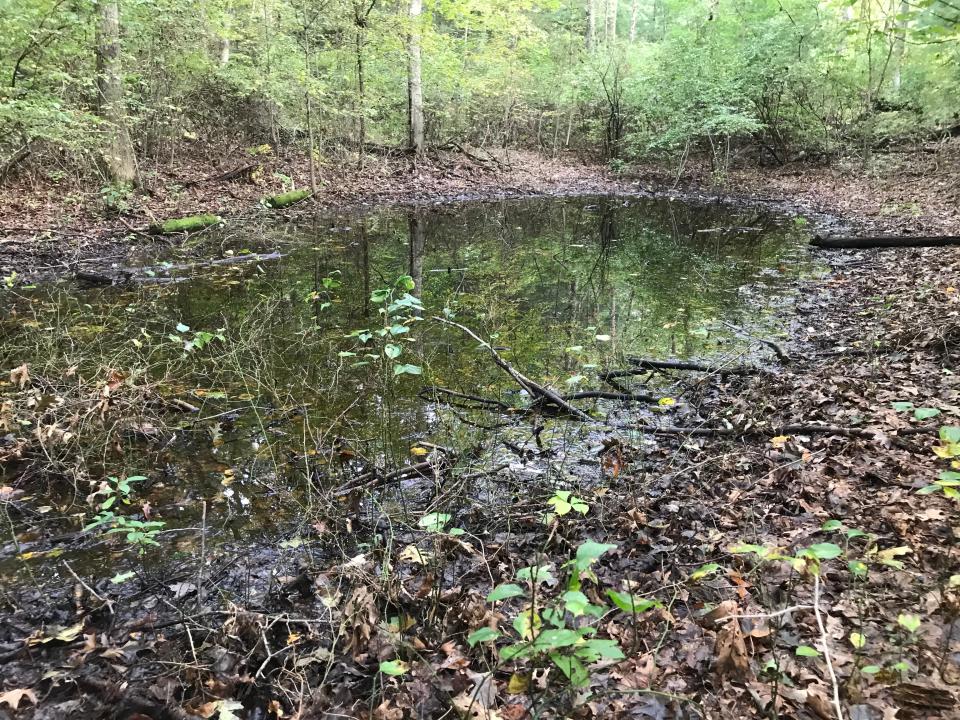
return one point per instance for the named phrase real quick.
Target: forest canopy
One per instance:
(628, 79)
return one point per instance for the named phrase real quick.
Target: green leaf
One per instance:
(502, 592)
(535, 574)
(831, 525)
(857, 640)
(599, 648)
(407, 370)
(380, 296)
(484, 634)
(858, 568)
(631, 603)
(807, 651)
(925, 413)
(392, 351)
(910, 623)
(575, 602)
(825, 551)
(589, 552)
(553, 638)
(394, 667)
(950, 434)
(902, 406)
(405, 282)
(870, 669)
(434, 522)
(122, 577)
(704, 570)
(181, 328)
(572, 669)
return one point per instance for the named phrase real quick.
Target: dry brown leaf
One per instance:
(20, 376)
(732, 659)
(13, 697)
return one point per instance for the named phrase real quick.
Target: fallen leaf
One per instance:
(13, 697)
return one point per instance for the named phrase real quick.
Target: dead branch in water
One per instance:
(535, 390)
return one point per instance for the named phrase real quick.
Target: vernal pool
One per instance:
(242, 391)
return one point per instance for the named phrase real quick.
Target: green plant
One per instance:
(139, 533)
(948, 482)
(560, 628)
(399, 310)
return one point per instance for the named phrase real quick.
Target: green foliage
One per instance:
(695, 75)
(399, 311)
(138, 533)
(560, 628)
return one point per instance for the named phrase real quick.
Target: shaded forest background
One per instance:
(94, 88)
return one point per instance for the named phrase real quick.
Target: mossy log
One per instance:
(287, 199)
(187, 224)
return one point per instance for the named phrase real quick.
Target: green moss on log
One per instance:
(187, 224)
(287, 199)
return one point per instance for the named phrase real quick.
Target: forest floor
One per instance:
(794, 528)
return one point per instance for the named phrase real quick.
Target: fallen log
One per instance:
(884, 241)
(284, 200)
(648, 364)
(186, 224)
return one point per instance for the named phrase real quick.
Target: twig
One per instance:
(826, 646)
(89, 589)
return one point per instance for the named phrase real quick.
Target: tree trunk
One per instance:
(610, 33)
(592, 11)
(361, 98)
(415, 85)
(634, 13)
(119, 159)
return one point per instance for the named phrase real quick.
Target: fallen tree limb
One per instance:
(649, 364)
(864, 243)
(534, 389)
(429, 390)
(605, 395)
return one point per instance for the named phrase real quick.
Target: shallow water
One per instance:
(289, 399)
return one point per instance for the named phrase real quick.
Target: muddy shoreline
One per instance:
(41, 232)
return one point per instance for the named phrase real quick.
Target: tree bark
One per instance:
(592, 11)
(611, 27)
(415, 84)
(119, 159)
(634, 13)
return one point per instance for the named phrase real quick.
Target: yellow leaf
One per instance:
(666, 402)
(418, 451)
(292, 638)
(411, 553)
(779, 441)
(69, 634)
(519, 682)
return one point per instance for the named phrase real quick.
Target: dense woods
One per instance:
(765, 80)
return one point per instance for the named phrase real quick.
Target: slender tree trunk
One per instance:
(119, 159)
(610, 33)
(361, 98)
(308, 65)
(415, 84)
(900, 45)
(634, 13)
(592, 10)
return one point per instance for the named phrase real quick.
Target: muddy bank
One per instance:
(48, 226)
